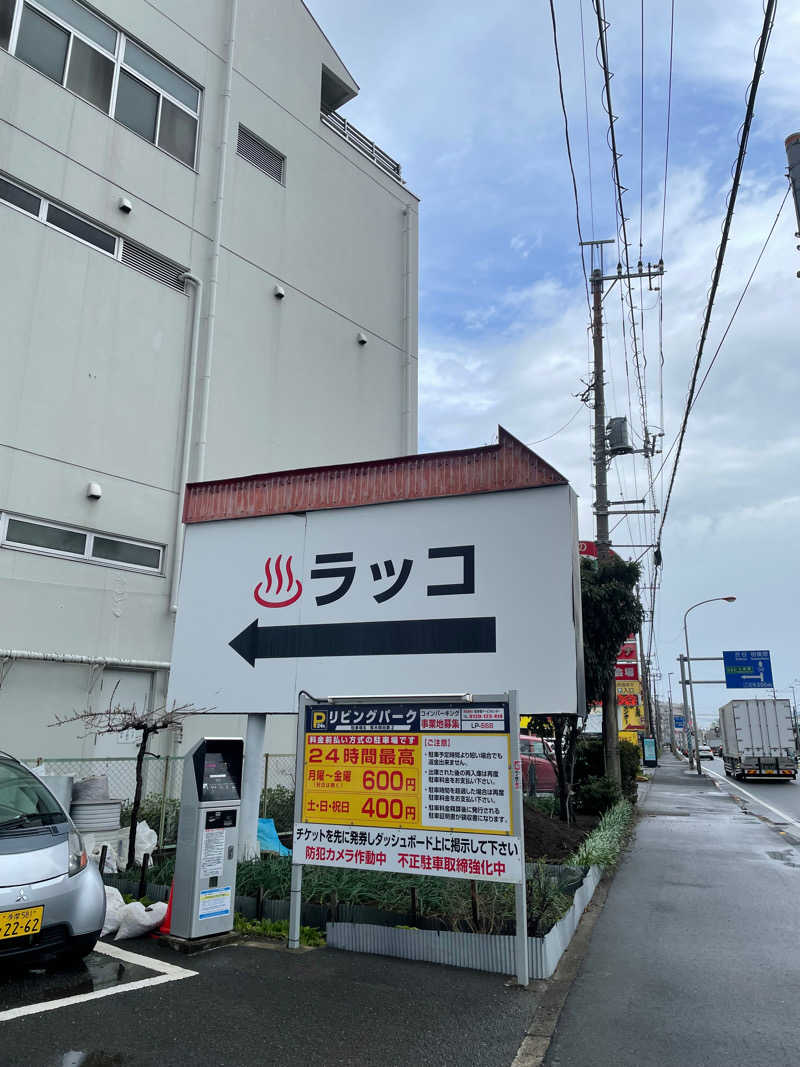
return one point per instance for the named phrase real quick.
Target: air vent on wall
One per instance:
(261, 155)
(155, 266)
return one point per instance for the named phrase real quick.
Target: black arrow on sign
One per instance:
(410, 637)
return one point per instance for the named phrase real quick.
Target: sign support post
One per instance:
(296, 889)
(520, 889)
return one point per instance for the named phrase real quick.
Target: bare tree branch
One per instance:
(116, 719)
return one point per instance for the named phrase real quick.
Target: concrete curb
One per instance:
(536, 1042)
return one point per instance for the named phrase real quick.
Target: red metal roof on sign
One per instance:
(490, 469)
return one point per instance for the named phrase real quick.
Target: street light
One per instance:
(712, 600)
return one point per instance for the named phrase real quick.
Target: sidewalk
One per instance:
(694, 958)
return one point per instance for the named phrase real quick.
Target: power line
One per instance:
(555, 433)
(669, 119)
(769, 17)
(602, 24)
(586, 108)
(569, 151)
(743, 294)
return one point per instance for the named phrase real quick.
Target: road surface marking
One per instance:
(165, 972)
(784, 817)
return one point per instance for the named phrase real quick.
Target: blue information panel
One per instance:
(747, 670)
(680, 722)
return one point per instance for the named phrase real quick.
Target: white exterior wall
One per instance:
(95, 355)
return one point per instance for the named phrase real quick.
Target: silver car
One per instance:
(52, 900)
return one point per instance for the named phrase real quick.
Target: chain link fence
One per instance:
(161, 788)
(162, 778)
(277, 793)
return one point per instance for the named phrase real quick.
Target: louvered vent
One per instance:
(155, 266)
(261, 155)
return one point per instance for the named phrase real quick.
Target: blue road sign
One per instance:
(747, 670)
(680, 722)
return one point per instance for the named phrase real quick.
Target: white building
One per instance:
(140, 140)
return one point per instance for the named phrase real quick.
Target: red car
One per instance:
(537, 770)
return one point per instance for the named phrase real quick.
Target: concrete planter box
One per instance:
(480, 952)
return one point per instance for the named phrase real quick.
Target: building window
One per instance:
(70, 44)
(268, 159)
(84, 231)
(51, 539)
(6, 21)
(21, 198)
(126, 251)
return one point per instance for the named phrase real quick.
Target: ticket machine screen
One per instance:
(221, 776)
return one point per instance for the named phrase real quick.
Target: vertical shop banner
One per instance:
(409, 787)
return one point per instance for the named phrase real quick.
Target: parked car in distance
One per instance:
(704, 752)
(52, 899)
(538, 772)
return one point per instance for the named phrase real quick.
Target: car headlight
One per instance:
(77, 852)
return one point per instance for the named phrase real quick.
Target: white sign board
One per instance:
(451, 595)
(485, 857)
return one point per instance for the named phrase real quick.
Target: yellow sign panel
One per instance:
(632, 718)
(629, 735)
(363, 779)
(628, 688)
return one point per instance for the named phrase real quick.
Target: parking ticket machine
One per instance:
(205, 861)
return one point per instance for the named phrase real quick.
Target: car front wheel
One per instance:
(79, 947)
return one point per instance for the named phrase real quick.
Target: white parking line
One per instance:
(164, 972)
(776, 811)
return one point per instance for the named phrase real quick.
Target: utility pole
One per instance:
(671, 713)
(792, 144)
(602, 456)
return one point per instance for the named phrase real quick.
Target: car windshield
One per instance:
(24, 801)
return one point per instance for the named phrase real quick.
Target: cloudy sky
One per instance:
(465, 97)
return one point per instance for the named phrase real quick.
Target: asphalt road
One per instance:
(251, 1005)
(783, 796)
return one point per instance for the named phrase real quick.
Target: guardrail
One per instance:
(367, 148)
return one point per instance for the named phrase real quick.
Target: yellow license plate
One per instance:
(20, 923)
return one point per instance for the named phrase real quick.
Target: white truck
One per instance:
(758, 739)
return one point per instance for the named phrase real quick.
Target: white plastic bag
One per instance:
(114, 905)
(146, 841)
(112, 863)
(135, 919)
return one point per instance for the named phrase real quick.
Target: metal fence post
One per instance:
(164, 785)
(264, 793)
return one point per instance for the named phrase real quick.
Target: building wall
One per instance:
(96, 355)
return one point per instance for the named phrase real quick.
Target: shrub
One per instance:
(596, 795)
(545, 803)
(589, 759)
(603, 846)
(277, 804)
(546, 902)
(590, 763)
(279, 930)
(630, 767)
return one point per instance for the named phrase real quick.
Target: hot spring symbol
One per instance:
(285, 583)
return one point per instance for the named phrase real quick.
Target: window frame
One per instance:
(118, 59)
(86, 556)
(120, 240)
